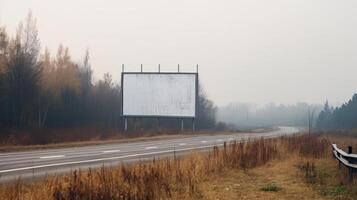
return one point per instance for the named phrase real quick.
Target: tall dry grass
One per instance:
(175, 178)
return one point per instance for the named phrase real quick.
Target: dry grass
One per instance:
(278, 162)
(276, 180)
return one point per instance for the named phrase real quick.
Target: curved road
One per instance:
(34, 164)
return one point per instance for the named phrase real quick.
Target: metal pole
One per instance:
(125, 124)
(193, 124)
(197, 122)
(141, 67)
(350, 170)
(178, 68)
(181, 125)
(158, 123)
(159, 68)
(350, 174)
(122, 67)
(197, 68)
(134, 124)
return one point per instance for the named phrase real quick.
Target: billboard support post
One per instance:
(134, 124)
(181, 125)
(196, 122)
(158, 123)
(193, 124)
(125, 124)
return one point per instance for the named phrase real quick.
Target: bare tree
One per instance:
(23, 73)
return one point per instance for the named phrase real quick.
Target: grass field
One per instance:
(297, 167)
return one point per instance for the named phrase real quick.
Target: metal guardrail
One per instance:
(349, 160)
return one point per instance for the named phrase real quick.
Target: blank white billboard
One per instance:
(159, 94)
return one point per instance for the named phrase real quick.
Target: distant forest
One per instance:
(343, 117)
(247, 115)
(39, 90)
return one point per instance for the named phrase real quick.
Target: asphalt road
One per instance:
(38, 163)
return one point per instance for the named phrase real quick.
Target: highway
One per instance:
(38, 163)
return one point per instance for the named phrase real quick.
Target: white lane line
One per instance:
(182, 144)
(204, 141)
(154, 147)
(83, 149)
(49, 157)
(111, 151)
(106, 159)
(219, 140)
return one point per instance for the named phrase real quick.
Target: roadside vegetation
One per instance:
(297, 167)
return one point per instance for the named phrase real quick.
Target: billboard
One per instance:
(159, 94)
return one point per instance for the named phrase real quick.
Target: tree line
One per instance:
(40, 90)
(343, 117)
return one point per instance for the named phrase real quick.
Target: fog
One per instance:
(248, 115)
(248, 51)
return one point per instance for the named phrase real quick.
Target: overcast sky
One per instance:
(259, 51)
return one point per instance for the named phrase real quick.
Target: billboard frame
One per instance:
(159, 116)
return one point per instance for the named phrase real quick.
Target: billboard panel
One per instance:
(159, 94)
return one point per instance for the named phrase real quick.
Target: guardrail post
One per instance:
(350, 169)
(350, 174)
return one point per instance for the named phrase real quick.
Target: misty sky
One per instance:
(259, 51)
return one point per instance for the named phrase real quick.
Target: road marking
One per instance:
(219, 140)
(182, 144)
(204, 141)
(49, 157)
(111, 151)
(154, 147)
(106, 159)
